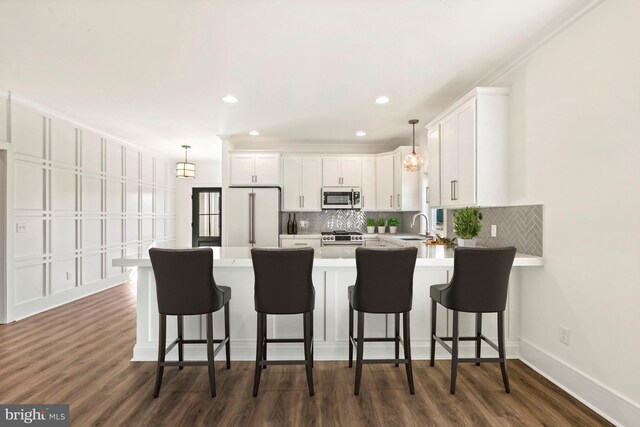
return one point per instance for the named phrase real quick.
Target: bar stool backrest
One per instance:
(184, 281)
(384, 283)
(480, 279)
(283, 283)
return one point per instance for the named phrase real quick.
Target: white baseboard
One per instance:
(30, 308)
(608, 403)
(246, 351)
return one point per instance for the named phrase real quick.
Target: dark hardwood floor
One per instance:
(79, 354)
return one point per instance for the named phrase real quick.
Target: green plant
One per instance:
(466, 222)
(393, 222)
(371, 222)
(381, 222)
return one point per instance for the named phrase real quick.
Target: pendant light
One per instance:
(185, 169)
(413, 162)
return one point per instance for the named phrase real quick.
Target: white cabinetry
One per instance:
(368, 187)
(301, 183)
(433, 166)
(4, 116)
(257, 169)
(397, 189)
(473, 143)
(294, 242)
(341, 171)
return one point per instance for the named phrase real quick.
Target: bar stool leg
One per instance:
(407, 350)
(226, 335)
(350, 336)
(259, 349)
(210, 361)
(454, 353)
(478, 336)
(264, 338)
(501, 352)
(307, 350)
(397, 337)
(162, 346)
(312, 346)
(359, 352)
(180, 340)
(434, 310)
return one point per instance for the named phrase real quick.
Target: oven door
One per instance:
(340, 198)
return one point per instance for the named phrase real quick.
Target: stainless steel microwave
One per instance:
(341, 198)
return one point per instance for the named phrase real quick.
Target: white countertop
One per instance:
(428, 256)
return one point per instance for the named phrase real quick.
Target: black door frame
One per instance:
(196, 239)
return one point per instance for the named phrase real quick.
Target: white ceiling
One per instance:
(154, 72)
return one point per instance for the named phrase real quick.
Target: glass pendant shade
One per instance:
(185, 169)
(413, 162)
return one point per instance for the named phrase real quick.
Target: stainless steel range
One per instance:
(342, 238)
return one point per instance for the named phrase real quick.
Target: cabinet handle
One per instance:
(398, 199)
(426, 194)
(303, 201)
(299, 201)
(391, 201)
(363, 204)
(300, 244)
(256, 176)
(453, 197)
(455, 188)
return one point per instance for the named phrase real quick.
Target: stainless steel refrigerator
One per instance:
(253, 217)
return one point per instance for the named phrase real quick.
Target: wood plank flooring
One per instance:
(79, 354)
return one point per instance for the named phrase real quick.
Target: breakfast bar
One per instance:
(334, 270)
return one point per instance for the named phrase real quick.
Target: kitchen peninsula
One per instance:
(334, 271)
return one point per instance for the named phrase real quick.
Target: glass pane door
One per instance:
(207, 216)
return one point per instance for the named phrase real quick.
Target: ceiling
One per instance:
(154, 72)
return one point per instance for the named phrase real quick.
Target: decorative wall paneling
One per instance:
(79, 200)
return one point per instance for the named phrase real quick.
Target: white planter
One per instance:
(467, 243)
(371, 230)
(381, 229)
(393, 229)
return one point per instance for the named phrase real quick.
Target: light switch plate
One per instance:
(21, 227)
(494, 230)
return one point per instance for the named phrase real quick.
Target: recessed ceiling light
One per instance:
(230, 99)
(254, 133)
(382, 100)
(361, 133)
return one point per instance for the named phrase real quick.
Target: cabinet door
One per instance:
(350, 171)
(465, 185)
(368, 187)
(311, 183)
(266, 169)
(242, 169)
(331, 172)
(291, 185)
(449, 159)
(397, 181)
(384, 183)
(300, 243)
(433, 167)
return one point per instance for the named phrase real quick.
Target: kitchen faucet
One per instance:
(413, 222)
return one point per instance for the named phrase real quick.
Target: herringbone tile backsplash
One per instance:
(350, 220)
(519, 226)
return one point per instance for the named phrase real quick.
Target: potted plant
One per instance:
(381, 225)
(466, 224)
(371, 225)
(393, 225)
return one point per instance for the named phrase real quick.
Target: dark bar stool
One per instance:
(384, 284)
(283, 285)
(185, 286)
(479, 285)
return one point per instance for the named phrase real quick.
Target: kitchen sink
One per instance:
(411, 238)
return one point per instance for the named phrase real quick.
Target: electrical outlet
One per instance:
(21, 227)
(68, 275)
(564, 335)
(494, 230)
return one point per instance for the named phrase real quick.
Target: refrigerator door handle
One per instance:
(252, 216)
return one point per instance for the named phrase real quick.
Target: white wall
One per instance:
(76, 199)
(575, 135)
(208, 174)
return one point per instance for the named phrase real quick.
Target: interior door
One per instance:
(206, 216)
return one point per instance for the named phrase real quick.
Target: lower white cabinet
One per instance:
(294, 242)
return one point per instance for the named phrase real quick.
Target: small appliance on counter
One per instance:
(342, 238)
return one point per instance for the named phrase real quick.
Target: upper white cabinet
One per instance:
(257, 169)
(384, 183)
(473, 150)
(341, 171)
(368, 187)
(4, 116)
(433, 166)
(301, 183)
(397, 189)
